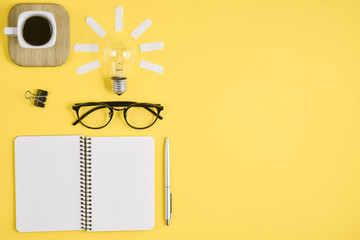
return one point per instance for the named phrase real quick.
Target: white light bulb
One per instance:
(119, 55)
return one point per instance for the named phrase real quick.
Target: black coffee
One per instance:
(37, 31)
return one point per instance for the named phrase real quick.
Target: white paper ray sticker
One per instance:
(119, 16)
(96, 27)
(151, 66)
(88, 67)
(151, 46)
(86, 47)
(141, 28)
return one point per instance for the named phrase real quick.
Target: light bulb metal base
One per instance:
(119, 85)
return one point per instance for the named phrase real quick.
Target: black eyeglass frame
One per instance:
(112, 107)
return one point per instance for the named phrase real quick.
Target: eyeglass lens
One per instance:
(141, 116)
(95, 116)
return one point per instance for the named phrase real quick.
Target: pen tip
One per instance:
(167, 222)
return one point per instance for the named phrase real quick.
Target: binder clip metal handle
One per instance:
(39, 98)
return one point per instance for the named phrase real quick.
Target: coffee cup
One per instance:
(35, 29)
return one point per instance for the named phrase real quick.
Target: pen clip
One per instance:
(170, 205)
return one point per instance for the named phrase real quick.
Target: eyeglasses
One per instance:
(96, 115)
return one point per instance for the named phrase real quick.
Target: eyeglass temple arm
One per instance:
(87, 113)
(150, 110)
(119, 104)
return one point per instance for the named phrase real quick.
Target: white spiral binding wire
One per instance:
(85, 183)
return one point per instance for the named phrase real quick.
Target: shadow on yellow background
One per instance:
(262, 106)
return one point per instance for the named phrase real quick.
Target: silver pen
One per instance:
(168, 194)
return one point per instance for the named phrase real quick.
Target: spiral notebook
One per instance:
(84, 183)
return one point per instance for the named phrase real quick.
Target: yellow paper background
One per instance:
(262, 107)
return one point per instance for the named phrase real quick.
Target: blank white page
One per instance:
(47, 178)
(122, 183)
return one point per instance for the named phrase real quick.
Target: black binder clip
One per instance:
(39, 98)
